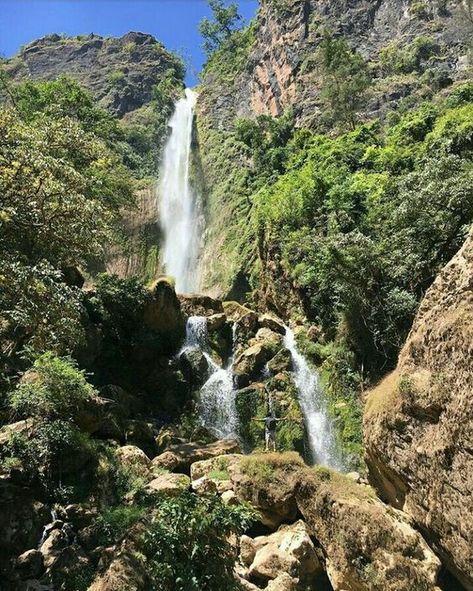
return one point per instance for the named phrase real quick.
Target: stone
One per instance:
(195, 367)
(79, 516)
(7, 431)
(288, 550)
(273, 323)
(249, 363)
(247, 550)
(281, 362)
(283, 582)
(418, 422)
(235, 311)
(229, 498)
(216, 322)
(141, 434)
(204, 485)
(367, 544)
(134, 459)
(200, 305)
(29, 564)
(166, 485)
(53, 546)
(179, 458)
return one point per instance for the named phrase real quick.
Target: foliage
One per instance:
(219, 29)
(53, 389)
(188, 543)
(396, 58)
(345, 80)
(114, 523)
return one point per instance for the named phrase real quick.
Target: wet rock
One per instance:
(273, 323)
(281, 362)
(79, 516)
(52, 547)
(200, 305)
(249, 364)
(195, 367)
(29, 564)
(216, 322)
(163, 313)
(142, 435)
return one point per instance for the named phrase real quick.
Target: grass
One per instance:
(265, 467)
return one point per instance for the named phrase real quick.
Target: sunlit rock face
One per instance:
(419, 420)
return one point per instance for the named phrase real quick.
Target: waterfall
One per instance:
(322, 443)
(179, 211)
(216, 402)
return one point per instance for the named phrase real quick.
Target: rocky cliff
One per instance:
(120, 72)
(419, 420)
(413, 50)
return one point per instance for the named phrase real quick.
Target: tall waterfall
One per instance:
(179, 211)
(323, 445)
(216, 401)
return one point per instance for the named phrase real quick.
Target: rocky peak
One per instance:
(120, 72)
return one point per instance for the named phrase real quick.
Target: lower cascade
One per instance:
(216, 401)
(322, 442)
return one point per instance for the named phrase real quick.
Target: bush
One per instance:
(188, 543)
(113, 524)
(53, 389)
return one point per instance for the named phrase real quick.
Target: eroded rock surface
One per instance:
(419, 420)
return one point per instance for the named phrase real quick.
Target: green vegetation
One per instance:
(345, 80)
(219, 30)
(114, 523)
(188, 543)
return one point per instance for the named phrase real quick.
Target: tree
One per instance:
(218, 30)
(345, 79)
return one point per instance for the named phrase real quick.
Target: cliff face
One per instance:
(419, 420)
(281, 68)
(120, 72)
(413, 50)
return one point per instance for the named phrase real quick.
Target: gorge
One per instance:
(279, 256)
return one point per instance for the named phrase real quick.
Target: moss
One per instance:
(219, 475)
(267, 467)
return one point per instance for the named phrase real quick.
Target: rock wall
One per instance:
(120, 72)
(419, 420)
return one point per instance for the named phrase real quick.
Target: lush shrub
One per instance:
(113, 523)
(188, 543)
(53, 389)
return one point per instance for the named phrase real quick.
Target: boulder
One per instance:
(163, 313)
(284, 582)
(17, 428)
(281, 362)
(235, 311)
(229, 498)
(195, 367)
(273, 323)
(29, 564)
(418, 421)
(249, 363)
(166, 485)
(368, 545)
(79, 516)
(216, 322)
(200, 305)
(204, 485)
(179, 458)
(52, 547)
(134, 459)
(141, 434)
(289, 550)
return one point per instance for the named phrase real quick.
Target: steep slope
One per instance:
(419, 420)
(413, 50)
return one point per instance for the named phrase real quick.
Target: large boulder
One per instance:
(29, 564)
(200, 305)
(369, 546)
(249, 364)
(195, 366)
(179, 458)
(419, 421)
(163, 312)
(272, 322)
(165, 485)
(134, 460)
(289, 550)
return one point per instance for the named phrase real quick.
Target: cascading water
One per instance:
(320, 433)
(216, 404)
(179, 211)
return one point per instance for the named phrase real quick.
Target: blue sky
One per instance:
(174, 22)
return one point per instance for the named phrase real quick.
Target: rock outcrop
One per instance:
(419, 420)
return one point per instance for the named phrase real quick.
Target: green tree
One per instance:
(219, 29)
(345, 80)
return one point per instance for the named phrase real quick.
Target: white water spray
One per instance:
(323, 445)
(179, 211)
(216, 403)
